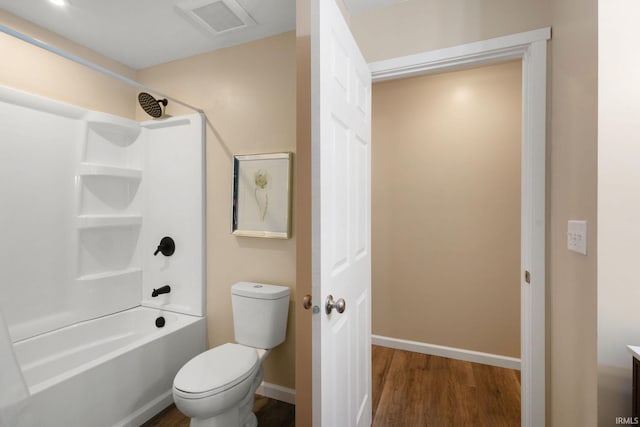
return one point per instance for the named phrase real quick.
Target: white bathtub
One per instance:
(116, 370)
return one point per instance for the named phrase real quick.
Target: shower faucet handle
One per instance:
(167, 246)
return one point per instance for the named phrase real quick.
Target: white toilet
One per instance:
(216, 388)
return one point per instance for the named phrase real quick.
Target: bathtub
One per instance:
(116, 370)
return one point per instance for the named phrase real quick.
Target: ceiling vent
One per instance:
(216, 16)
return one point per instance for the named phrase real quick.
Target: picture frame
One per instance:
(261, 196)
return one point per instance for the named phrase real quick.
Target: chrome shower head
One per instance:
(151, 105)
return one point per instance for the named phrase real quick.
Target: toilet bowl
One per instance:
(216, 388)
(222, 380)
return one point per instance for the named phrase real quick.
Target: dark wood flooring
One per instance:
(269, 412)
(412, 389)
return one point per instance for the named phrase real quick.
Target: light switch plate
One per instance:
(577, 236)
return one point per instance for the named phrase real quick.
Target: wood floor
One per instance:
(269, 412)
(413, 390)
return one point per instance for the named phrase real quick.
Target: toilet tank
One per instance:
(260, 314)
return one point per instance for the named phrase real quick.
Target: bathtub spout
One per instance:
(162, 290)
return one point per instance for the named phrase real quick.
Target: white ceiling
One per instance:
(143, 33)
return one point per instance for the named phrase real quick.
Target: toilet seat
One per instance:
(215, 371)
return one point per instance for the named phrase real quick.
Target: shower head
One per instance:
(151, 105)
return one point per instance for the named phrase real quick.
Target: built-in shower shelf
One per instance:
(116, 129)
(120, 274)
(103, 221)
(92, 169)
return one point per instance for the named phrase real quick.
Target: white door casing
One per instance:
(341, 221)
(531, 48)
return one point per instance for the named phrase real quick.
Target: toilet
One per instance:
(216, 388)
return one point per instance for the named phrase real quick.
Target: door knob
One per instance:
(306, 302)
(339, 305)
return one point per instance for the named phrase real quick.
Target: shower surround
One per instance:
(86, 199)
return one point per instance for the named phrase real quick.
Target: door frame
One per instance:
(531, 48)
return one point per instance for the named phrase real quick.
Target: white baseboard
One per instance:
(277, 392)
(450, 352)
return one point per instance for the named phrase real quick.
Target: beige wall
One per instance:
(571, 194)
(248, 95)
(304, 358)
(446, 209)
(421, 25)
(32, 69)
(303, 349)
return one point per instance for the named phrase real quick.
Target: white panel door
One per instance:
(341, 221)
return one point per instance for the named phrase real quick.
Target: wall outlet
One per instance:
(577, 236)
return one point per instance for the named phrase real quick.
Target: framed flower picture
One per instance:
(262, 195)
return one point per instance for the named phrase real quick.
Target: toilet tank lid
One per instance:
(259, 290)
